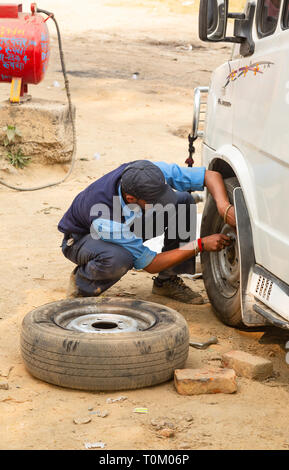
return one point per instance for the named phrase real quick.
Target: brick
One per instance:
(205, 380)
(248, 365)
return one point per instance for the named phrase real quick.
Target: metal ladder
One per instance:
(199, 111)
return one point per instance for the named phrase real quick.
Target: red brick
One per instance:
(248, 365)
(205, 380)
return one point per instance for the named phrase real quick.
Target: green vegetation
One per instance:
(14, 152)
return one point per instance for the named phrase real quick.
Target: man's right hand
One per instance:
(216, 242)
(168, 259)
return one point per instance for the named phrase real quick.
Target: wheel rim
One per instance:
(104, 323)
(226, 266)
(106, 319)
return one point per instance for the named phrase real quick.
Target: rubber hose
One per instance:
(67, 88)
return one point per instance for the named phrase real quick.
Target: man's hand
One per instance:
(215, 185)
(216, 242)
(230, 217)
(167, 259)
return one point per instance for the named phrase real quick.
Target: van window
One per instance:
(267, 17)
(285, 20)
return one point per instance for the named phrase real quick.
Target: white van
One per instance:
(246, 139)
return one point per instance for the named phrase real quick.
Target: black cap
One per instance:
(144, 180)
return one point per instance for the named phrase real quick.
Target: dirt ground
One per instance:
(120, 118)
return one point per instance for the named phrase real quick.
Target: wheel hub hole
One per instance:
(231, 254)
(104, 325)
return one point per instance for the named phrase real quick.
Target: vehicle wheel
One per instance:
(221, 270)
(104, 344)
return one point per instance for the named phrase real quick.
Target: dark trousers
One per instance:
(100, 264)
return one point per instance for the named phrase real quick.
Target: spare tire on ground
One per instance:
(104, 344)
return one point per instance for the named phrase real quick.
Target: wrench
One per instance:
(204, 345)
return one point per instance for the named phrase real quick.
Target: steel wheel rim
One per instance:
(226, 267)
(105, 319)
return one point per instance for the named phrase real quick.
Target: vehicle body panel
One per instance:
(247, 126)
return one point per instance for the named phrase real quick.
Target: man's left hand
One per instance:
(231, 217)
(215, 184)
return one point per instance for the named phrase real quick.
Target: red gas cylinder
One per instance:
(24, 45)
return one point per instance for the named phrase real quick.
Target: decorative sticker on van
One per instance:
(256, 68)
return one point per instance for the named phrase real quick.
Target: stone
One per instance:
(205, 380)
(184, 446)
(189, 418)
(248, 365)
(4, 385)
(162, 424)
(154, 423)
(166, 432)
(5, 371)
(102, 414)
(6, 166)
(82, 420)
(169, 425)
(45, 127)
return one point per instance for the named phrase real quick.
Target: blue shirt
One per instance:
(180, 179)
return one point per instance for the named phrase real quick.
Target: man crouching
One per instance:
(107, 224)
